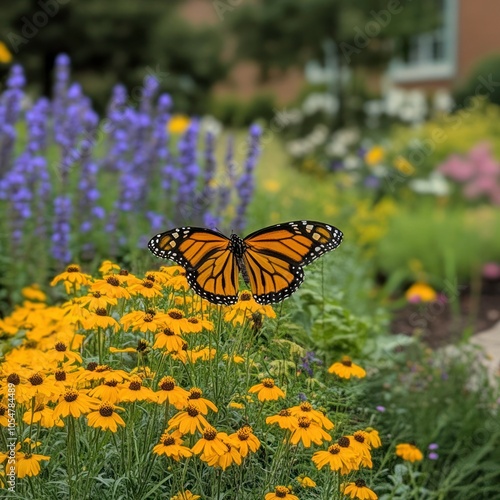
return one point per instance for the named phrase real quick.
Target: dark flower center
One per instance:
(359, 438)
(304, 422)
(70, 396)
(306, 407)
(13, 378)
(72, 269)
(113, 281)
(150, 277)
(168, 332)
(175, 314)
(148, 318)
(135, 385)
(209, 434)
(347, 362)
(106, 410)
(91, 366)
(60, 375)
(167, 384)
(245, 296)
(168, 441)
(360, 483)
(192, 411)
(36, 379)
(285, 413)
(281, 491)
(142, 345)
(61, 347)
(147, 284)
(111, 383)
(268, 383)
(344, 442)
(97, 295)
(102, 368)
(3, 410)
(195, 393)
(151, 312)
(123, 272)
(100, 311)
(194, 321)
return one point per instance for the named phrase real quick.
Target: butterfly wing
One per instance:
(274, 256)
(211, 268)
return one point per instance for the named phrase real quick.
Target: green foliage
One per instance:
(445, 398)
(439, 238)
(487, 70)
(236, 113)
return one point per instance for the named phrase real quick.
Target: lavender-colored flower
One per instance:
(302, 397)
(433, 446)
(308, 361)
(245, 184)
(61, 230)
(433, 456)
(380, 408)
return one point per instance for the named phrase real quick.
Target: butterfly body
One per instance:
(270, 260)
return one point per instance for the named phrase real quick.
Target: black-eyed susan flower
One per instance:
(358, 489)
(106, 417)
(245, 440)
(185, 495)
(305, 409)
(408, 451)
(107, 391)
(230, 456)
(373, 437)
(4, 411)
(73, 278)
(61, 353)
(125, 277)
(75, 403)
(177, 281)
(146, 288)
(306, 481)
(308, 432)
(133, 390)
(169, 392)
(281, 492)
(111, 286)
(94, 371)
(347, 369)
(175, 320)
(108, 267)
(360, 444)
(284, 419)
(210, 444)
(171, 445)
(39, 412)
(169, 340)
(245, 308)
(101, 319)
(37, 384)
(188, 421)
(203, 404)
(28, 464)
(33, 292)
(97, 300)
(338, 456)
(267, 391)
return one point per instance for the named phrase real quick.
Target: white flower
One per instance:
(435, 184)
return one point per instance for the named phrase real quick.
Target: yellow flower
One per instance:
(267, 391)
(107, 266)
(347, 369)
(203, 404)
(231, 455)
(100, 319)
(133, 390)
(178, 124)
(188, 421)
(28, 464)
(74, 403)
(420, 292)
(107, 391)
(284, 419)
(210, 444)
(106, 417)
(245, 440)
(234, 358)
(305, 409)
(281, 492)
(359, 490)
(272, 186)
(245, 308)
(4, 411)
(408, 451)
(306, 482)
(185, 495)
(308, 432)
(404, 166)
(175, 320)
(33, 292)
(97, 300)
(72, 278)
(5, 54)
(169, 392)
(41, 413)
(360, 444)
(338, 456)
(168, 340)
(373, 437)
(146, 288)
(112, 287)
(374, 156)
(171, 445)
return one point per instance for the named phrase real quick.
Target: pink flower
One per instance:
(457, 168)
(491, 271)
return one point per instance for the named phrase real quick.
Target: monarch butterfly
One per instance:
(270, 260)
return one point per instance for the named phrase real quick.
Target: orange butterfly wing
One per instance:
(211, 267)
(275, 255)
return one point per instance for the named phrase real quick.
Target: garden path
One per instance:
(489, 340)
